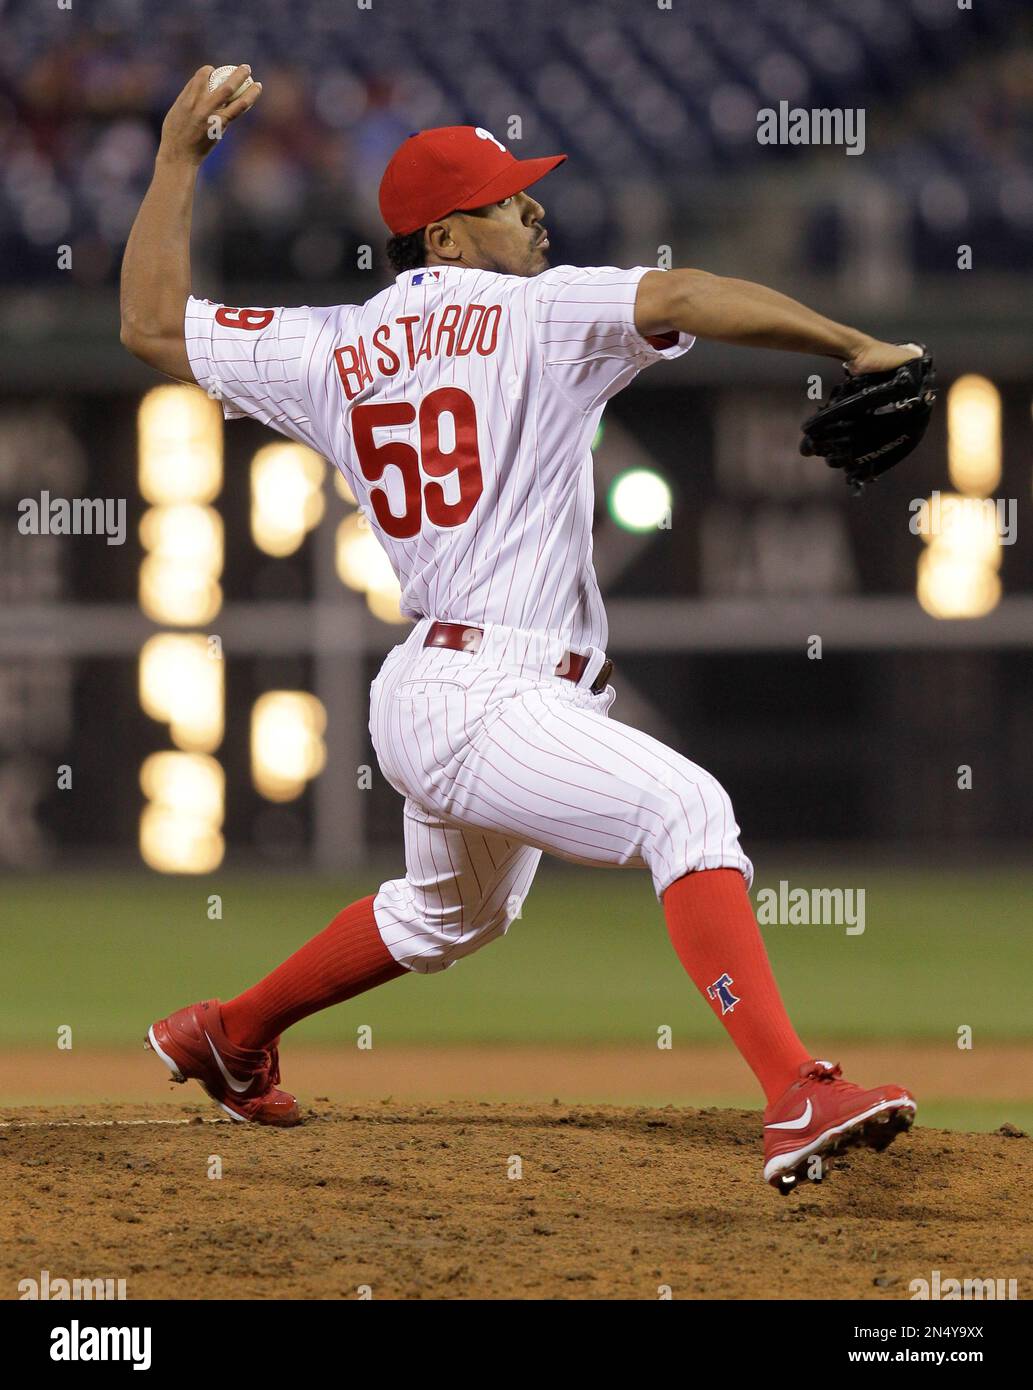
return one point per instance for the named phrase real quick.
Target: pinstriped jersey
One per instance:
(460, 406)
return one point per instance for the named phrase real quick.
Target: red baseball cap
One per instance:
(452, 168)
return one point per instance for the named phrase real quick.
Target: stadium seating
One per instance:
(631, 91)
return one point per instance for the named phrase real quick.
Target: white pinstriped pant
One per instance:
(499, 759)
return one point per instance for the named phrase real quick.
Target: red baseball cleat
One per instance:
(822, 1114)
(194, 1047)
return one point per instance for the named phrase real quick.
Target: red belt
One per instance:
(458, 637)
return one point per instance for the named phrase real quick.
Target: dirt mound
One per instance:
(494, 1201)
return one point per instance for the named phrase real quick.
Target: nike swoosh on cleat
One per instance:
(239, 1086)
(801, 1123)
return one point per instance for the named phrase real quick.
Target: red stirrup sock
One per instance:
(347, 958)
(715, 934)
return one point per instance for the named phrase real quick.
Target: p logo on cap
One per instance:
(483, 134)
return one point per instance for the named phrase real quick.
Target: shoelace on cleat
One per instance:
(831, 1072)
(831, 1075)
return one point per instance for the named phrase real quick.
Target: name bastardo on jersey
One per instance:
(456, 331)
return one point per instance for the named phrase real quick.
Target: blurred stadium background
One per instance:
(185, 715)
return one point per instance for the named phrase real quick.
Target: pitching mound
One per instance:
(494, 1201)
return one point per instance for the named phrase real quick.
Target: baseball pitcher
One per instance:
(459, 403)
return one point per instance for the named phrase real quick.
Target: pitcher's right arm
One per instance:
(156, 265)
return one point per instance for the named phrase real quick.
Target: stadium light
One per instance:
(182, 685)
(179, 574)
(179, 442)
(957, 571)
(342, 489)
(639, 499)
(952, 586)
(287, 748)
(385, 602)
(974, 435)
(286, 496)
(181, 825)
(179, 471)
(362, 564)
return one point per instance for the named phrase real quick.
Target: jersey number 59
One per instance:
(422, 494)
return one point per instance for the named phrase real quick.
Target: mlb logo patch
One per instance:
(422, 275)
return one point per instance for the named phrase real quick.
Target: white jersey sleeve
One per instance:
(258, 362)
(585, 322)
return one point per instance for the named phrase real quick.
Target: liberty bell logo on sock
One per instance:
(721, 989)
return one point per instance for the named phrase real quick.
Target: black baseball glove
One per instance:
(872, 421)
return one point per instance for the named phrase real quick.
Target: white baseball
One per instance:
(220, 75)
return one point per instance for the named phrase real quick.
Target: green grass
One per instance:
(589, 962)
(975, 1115)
